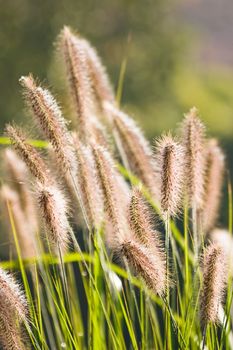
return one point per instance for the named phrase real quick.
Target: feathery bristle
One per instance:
(75, 58)
(169, 157)
(22, 224)
(145, 264)
(100, 81)
(214, 182)
(140, 219)
(12, 298)
(108, 179)
(49, 117)
(14, 308)
(28, 154)
(214, 282)
(136, 148)
(11, 337)
(19, 176)
(54, 211)
(193, 135)
(87, 181)
(223, 238)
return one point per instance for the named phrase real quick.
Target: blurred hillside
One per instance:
(144, 33)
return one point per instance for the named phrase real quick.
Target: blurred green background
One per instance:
(179, 54)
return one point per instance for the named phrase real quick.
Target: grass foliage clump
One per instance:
(116, 243)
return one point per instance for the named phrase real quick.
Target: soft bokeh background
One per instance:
(179, 54)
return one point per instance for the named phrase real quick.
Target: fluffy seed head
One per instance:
(14, 309)
(12, 298)
(87, 181)
(140, 219)
(49, 117)
(28, 154)
(22, 223)
(145, 264)
(19, 177)
(136, 149)
(214, 283)
(193, 135)
(213, 185)
(54, 211)
(100, 81)
(75, 58)
(108, 180)
(223, 238)
(169, 158)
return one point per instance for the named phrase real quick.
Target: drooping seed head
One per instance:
(223, 238)
(49, 117)
(76, 62)
(25, 232)
(112, 191)
(145, 264)
(170, 162)
(14, 310)
(214, 283)
(28, 154)
(88, 185)
(193, 136)
(12, 299)
(99, 78)
(19, 176)
(140, 219)
(213, 186)
(54, 211)
(136, 149)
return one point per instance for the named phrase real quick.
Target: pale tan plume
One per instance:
(88, 185)
(54, 210)
(28, 154)
(25, 234)
(193, 138)
(99, 77)
(136, 148)
(215, 160)
(141, 220)
(77, 70)
(214, 283)
(145, 264)
(169, 158)
(223, 238)
(49, 117)
(20, 179)
(114, 197)
(14, 312)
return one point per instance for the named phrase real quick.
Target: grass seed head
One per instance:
(215, 160)
(169, 159)
(214, 283)
(49, 117)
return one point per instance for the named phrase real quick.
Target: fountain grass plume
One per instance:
(214, 283)
(24, 229)
(76, 63)
(114, 205)
(215, 160)
(136, 148)
(14, 312)
(145, 264)
(88, 185)
(54, 210)
(97, 72)
(193, 136)
(28, 154)
(49, 117)
(169, 157)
